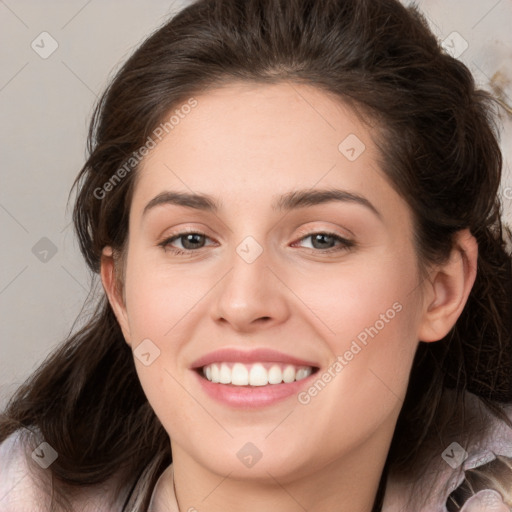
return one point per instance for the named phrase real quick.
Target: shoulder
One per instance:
(26, 481)
(19, 490)
(487, 467)
(453, 461)
(163, 498)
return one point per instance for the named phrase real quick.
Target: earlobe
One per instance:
(110, 281)
(448, 288)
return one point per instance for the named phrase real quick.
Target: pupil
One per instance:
(320, 236)
(189, 238)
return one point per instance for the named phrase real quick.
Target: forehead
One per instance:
(248, 143)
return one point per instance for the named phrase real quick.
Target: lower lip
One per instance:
(252, 396)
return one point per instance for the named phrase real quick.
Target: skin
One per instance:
(245, 144)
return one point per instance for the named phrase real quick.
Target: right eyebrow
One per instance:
(197, 201)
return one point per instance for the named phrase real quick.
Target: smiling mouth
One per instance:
(254, 374)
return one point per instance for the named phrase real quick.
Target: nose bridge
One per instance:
(249, 272)
(249, 291)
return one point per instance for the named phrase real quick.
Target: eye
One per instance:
(190, 241)
(322, 238)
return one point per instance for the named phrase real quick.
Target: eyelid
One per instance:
(181, 232)
(305, 231)
(344, 244)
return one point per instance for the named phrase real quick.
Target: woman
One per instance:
(373, 373)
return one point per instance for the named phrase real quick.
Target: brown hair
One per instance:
(439, 150)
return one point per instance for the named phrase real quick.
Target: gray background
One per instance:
(45, 107)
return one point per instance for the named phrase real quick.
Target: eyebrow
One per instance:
(289, 201)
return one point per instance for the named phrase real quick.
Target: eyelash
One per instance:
(345, 243)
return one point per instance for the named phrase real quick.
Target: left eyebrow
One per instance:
(289, 201)
(312, 197)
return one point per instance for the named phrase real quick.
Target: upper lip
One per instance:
(249, 356)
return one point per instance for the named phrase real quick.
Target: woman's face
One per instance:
(260, 276)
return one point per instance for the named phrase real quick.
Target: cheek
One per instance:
(368, 300)
(160, 309)
(163, 308)
(369, 319)
(158, 299)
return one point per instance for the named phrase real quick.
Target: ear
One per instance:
(447, 291)
(112, 289)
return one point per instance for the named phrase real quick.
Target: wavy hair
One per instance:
(439, 149)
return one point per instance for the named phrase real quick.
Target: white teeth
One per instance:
(225, 374)
(239, 375)
(275, 375)
(215, 373)
(256, 374)
(289, 374)
(301, 374)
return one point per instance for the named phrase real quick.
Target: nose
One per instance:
(252, 294)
